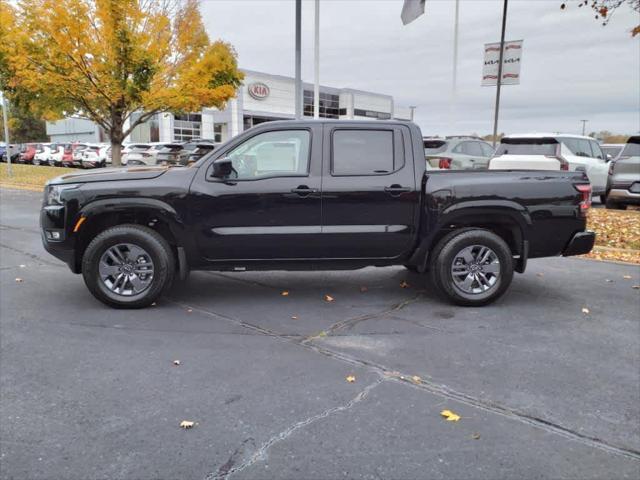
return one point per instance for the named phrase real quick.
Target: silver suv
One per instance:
(457, 153)
(623, 184)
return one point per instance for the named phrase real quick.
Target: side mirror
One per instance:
(222, 168)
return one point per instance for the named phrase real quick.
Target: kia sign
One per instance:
(511, 60)
(258, 90)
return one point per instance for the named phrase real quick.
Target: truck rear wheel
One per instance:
(128, 266)
(471, 267)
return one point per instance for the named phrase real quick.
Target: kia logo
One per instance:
(258, 90)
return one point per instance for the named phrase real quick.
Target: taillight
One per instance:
(585, 190)
(444, 162)
(564, 166)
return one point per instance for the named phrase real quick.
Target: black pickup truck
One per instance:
(306, 195)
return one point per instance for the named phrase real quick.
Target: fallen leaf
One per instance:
(608, 280)
(285, 293)
(627, 277)
(450, 416)
(176, 362)
(294, 317)
(416, 379)
(18, 280)
(153, 304)
(540, 274)
(636, 287)
(476, 436)
(363, 289)
(328, 298)
(189, 310)
(22, 266)
(585, 310)
(404, 284)
(186, 424)
(350, 378)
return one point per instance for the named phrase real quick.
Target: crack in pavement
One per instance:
(261, 453)
(438, 389)
(31, 255)
(352, 322)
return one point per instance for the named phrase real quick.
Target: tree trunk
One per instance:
(116, 138)
(116, 154)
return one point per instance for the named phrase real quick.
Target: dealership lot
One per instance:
(545, 381)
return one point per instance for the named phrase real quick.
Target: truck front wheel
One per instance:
(471, 267)
(128, 266)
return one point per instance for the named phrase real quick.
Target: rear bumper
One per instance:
(624, 196)
(581, 243)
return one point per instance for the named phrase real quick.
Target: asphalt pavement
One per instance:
(546, 381)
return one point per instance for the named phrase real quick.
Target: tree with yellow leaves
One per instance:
(106, 59)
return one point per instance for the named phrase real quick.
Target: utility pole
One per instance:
(499, 83)
(584, 126)
(454, 79)
(316, 63)
(298, 89)
(413, 110)
(6, 133)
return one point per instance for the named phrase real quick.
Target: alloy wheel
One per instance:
(475, 269)
(126, 269)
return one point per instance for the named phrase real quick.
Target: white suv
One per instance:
(550, 151)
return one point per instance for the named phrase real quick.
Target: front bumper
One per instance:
(581, 243)
(52, 223)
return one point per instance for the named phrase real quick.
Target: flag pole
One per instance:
(298, 89)
(499, 82)
(316, 62)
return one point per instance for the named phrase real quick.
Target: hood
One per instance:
(109, 175)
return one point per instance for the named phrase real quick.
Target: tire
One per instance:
(127, 241)
(603, 199)
(35, 161)
(612, 205)
(489, 280)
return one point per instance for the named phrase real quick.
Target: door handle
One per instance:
(396, 189)
(303, 190)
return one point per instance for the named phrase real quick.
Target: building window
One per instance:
(371, 114)
(217, 133)
(329, 104)
(187, 126)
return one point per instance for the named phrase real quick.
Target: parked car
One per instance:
(194, 150)
(72, 155)
(43, 152)
(624, 177)
(547, 151)
(457, 153)
(611, 150)
(56, 151)
(325, 194)
(138, 154)
(27, 152)
(170, 154)
(14, 149)
(95, 156)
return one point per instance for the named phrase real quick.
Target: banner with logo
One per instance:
(511, 61)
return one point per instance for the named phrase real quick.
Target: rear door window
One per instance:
(487, 150)
(363, 152)
(578, 146)
(596, 152)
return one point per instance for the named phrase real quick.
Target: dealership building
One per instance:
(262, 97)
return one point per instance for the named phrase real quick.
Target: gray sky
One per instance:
(573, 68)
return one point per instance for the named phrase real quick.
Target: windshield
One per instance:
(434, 146)
(631, 150)
(527, 146)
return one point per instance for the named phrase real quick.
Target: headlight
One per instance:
(54, 193)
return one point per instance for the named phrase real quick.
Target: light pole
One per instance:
(316, 63)
(6, 133)
(298, 89)
(413, 110)
(499, 83)
(584, 126)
